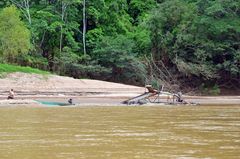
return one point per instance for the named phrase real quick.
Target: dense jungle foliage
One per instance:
(190, 44)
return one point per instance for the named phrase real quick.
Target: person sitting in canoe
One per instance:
(70, 101)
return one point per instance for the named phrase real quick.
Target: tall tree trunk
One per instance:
(27, 8)
(84, 27)
(24, 6)
(64, 8)
(60, 42)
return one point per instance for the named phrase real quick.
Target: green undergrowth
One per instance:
(7, 68)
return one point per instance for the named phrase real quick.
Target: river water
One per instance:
(188, 132)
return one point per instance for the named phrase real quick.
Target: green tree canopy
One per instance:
(188, 42)
(198, 38)
(14, 35)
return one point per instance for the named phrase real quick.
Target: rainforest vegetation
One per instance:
(190, 44)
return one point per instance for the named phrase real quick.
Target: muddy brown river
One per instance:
(164, 132)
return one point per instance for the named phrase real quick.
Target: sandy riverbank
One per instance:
(52, 88)
(34, 84)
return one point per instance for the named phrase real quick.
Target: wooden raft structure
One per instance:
(153, 96)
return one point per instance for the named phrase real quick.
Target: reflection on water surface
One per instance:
(120, 132)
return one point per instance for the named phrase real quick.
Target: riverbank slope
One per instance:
(31, 87)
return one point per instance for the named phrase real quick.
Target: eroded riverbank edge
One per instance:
(111, 100)
(30, 88)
